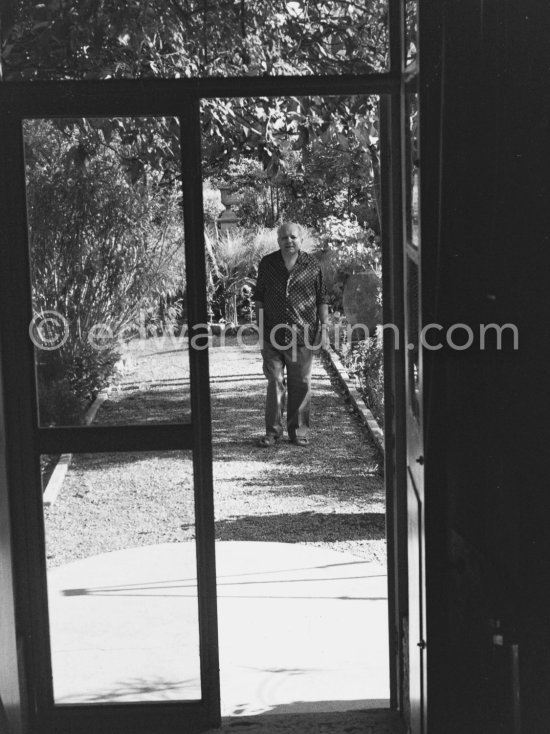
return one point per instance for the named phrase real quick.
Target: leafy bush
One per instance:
(232, 262)
(101, 241)
(365, 361)
(58, 403)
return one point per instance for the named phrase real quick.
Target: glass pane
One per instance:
(167, 39)
(107, 260)
(413, 252)
(121, 558)
(299, 530)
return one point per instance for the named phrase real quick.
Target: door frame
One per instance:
(25, 441)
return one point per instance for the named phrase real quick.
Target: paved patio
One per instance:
(301, 629)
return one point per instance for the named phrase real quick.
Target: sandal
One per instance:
(268, 441)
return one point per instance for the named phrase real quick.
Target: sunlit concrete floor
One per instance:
(302, 630)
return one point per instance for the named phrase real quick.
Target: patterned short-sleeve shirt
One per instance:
(290, 299)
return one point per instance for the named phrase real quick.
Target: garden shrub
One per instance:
(103, 241)
(232, 259)
(58, 404)
(365, 361)
(70, 378)
(346, 248)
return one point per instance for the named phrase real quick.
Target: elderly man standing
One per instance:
(291, 304)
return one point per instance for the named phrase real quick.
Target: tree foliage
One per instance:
(300, 158)
(307, 147)
(304, 158)
(79, 39)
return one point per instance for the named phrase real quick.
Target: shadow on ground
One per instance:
(149, 404)
(308, 526)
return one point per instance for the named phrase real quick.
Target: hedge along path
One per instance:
(330, 493)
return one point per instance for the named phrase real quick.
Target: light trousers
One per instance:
(292, 390)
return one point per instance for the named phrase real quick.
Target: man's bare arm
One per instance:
(322, 310)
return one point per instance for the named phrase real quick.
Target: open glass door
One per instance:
(415, 459)
(105, 283)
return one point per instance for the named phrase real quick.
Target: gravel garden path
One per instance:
(330, 493)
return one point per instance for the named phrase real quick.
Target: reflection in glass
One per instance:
(411, 31)
(413, 252)
(120, 548)
(413, 278)
(414, 176)
(167, 39)
(107, 265)
(413, 171)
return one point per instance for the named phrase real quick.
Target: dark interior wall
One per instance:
(527, 218)
(487, 260)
